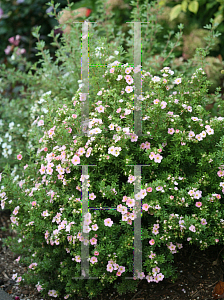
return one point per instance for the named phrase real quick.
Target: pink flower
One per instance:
(19, 157)
(110, 268)
(192, 228)
(171, 130)
(198, 204)
(160, 276)
(92, 196)
(128, 70)
(152, 155)
(137, 69)
(152, 255)
(20, 51)
(155, 231)
(203, 222)
(149, 189)
(121, 269)
(145, 207)
(129, 80)
(93, 241)
(82, 96)
(78, 258)
(147, 145)
(93, 260)
(41, 122)
(141, 275)
(76, 160)
(151, 242)
(8, 49)
(130, 203)
(157, 158)
(177, 81)
(128, 89)
(108, 222)
(94, 227)
(142, 146)
(19, 279)
(14, 41)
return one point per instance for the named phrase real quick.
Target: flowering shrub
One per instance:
(181, 150)
(181, 189)
(23, 86)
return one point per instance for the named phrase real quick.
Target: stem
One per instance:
(173, 47)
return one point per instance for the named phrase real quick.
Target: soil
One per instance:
(198, 273)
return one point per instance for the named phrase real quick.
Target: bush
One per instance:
(181, 149)
(188, 213)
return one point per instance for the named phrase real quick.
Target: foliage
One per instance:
(196, 18)
(19, 17)
(179, 129)
(196, 40)
(193, 6)
(22, 16)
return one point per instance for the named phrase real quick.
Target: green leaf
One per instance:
(162, 2)
(193, 6)
(175, 11)
(218, 19)
(184, 5)
(210, 5)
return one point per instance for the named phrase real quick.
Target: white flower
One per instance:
(41, 101)
(98, 53)
(155, 79)
(109, 58)
(44, 110)
(47, 93)
(4, 145)
(11, 124)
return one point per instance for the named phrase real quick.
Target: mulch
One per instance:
(198, 272)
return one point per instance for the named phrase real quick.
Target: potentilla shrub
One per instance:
(59, 74)
(181, 189)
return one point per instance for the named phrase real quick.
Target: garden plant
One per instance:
(181, 174)
(23, 83)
